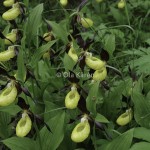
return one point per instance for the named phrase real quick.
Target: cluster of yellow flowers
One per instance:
(9, 94)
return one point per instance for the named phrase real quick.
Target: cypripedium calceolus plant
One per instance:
(72, 53)
(100, 75)
(72, 98)
(81, 130)
(121, 4)
(8, 54)
(8, 3)
(12, 13)
(8, 95)
(86, 22)
(64, 2)
(93, 62)
(12, 36)
(47, 36)
(125, 118)
(24, 125)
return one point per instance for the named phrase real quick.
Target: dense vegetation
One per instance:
(75, 75)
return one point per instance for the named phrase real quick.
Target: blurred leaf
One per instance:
(118, 15)
(141, 109)
(113, 101)
(148, 41)
(16, 143)
(92, 97)
(50, 141)
(40, 51)
(21, 72)
(122, 142)
(101, 118)
(5, 119)
(142, 133)
(68, 62)
(34, 22)
(50, 110)
(110, 43)
(59, 30)
(11, 109)
(141, 146)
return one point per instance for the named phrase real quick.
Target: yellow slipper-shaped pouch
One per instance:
(8, 95)
(8, 54)
(72, 99)
(125, 118)
(72, 54)
(121, 4)
(100, 75)
(64, 2)
(81, 132)
(86, 22)
(12, 13)
(24, 125)
(11, 36)
(94, 63)
(47, 36)
(8, 3)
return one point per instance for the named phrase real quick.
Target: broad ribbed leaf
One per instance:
(11, 109)
(122, 142)
(50, 141)
(142, 133)
(16, 143)
(141, 146)
(141, 109)
(34, 22)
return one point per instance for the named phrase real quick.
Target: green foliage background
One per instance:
(123, 33)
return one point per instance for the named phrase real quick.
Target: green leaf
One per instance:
(40, 51)
(118, 15)
(34, 22)
(92, 97)
(143, 64)
(113, 101)
(59, 30)
(141, 109)
(49, 110)
(141, 146)
(68, 62)
(142, 133)
(110, 43)
(122, 142)
(101, 118)
(50, 141)
(5, 119)
(21, 72)
(148, 41)
(16, 143)
(11, 109)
